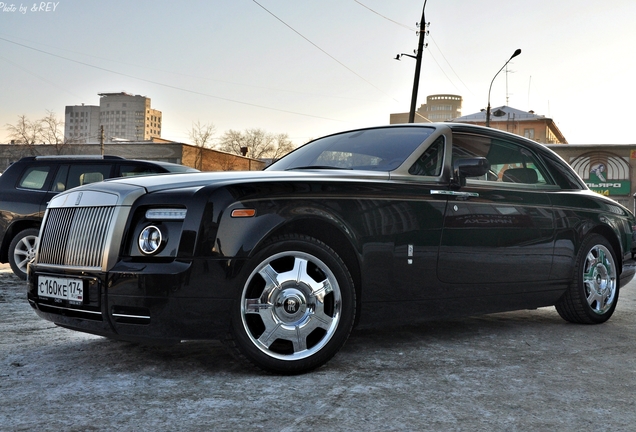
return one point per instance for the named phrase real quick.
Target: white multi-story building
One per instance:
(127, 117)
(123, 116)
(81, 124)
(438, 108)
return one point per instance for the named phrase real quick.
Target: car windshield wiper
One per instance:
(316, 167)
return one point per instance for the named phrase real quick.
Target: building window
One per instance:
(528, 133)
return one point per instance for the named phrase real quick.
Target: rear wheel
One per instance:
(22, 250)
(296, 306)
(593, 294)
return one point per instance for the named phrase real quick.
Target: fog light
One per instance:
(150, 240)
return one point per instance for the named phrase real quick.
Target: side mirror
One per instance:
(469, 167)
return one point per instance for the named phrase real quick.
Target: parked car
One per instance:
(29, 184)
(375, 226)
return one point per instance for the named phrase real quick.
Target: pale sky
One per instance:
(313, 67)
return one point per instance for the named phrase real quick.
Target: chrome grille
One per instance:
(75, 236)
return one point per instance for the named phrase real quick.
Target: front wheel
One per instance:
(22, 250)
(593, 294)
(296, 306)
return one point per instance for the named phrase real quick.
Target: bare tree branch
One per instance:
(52, 131)
(47, 130)
(282, 147)
(201, 136)
(259, 144)
(25, 131)
(231, 142)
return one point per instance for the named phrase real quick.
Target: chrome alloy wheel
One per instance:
(25, 251)
(22, 250)
(599, 279)
(291, 305)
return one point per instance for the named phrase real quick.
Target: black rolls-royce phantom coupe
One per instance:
(375, 226)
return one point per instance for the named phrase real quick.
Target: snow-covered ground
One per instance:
(523, 371)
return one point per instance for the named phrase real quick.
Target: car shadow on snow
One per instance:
(368, 348)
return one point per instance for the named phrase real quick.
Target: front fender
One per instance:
(238, 237)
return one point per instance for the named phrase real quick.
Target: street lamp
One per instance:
(515, 54)
(399, 56)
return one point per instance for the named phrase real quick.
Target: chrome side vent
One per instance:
(75, 236)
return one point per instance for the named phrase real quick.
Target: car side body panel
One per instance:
(416, 248)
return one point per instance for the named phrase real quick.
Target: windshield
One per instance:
(381, 149)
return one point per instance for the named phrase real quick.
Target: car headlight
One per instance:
(166, 214)
(150, 240)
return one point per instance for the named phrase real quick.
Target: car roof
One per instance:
(168, 166)
(72, 157)
(172, 167)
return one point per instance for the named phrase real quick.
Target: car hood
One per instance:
(174, 181)
(124, 191)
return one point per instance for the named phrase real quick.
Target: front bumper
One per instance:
(142, 302)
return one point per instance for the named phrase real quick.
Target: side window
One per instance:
(509, 162)
(79, 175)
(34, 178)
(135, 170)
(59, 184)
(431, 161)
(563, 174)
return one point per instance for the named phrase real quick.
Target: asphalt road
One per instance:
(519, 371)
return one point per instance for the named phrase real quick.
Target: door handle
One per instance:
(455, 193)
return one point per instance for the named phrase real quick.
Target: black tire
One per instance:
(593, 293)
(22, 250)
(295, 306)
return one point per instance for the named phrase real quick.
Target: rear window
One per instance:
(136, 170)
(34, 178)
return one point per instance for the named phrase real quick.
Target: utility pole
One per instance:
(507, 71)
(418, 64)
(101, 138)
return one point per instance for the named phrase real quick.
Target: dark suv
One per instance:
(28, 184)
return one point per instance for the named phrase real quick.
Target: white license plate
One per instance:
(61, 288)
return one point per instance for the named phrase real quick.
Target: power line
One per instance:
(430, 37)
(444, 72)
(322, 50)
(385, 17)
(38, 76)
(449, 65)
(167, 85)
(278, 90)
